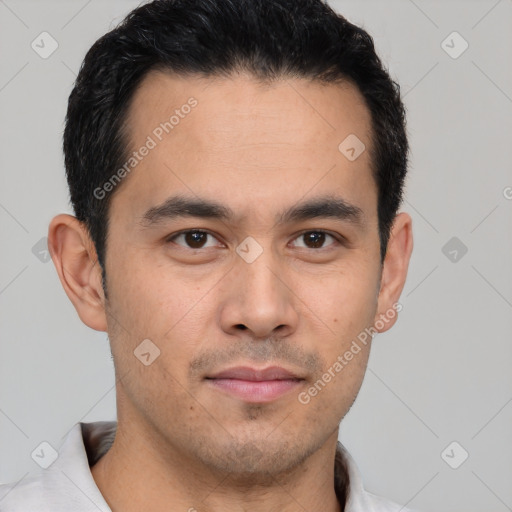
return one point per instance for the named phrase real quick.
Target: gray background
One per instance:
(442, 374)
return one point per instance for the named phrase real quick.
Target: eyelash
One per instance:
(339, 239)
(176, 235)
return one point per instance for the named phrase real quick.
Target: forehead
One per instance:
(219, 135)
(299, 108)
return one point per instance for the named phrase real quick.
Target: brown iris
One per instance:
(196, 239)
(314, 239)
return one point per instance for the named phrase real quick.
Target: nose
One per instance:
(258, 300)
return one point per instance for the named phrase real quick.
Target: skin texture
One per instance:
(259, 150)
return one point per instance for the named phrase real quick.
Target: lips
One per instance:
(255, 385)
(252, 374)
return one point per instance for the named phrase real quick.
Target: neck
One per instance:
(137, 474)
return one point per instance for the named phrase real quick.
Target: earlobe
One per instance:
(75, 260)
(394, 271)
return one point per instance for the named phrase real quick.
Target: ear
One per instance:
(75, 259)
(394, 272)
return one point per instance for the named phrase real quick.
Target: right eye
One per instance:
(192, 239)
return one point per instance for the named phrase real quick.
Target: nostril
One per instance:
(241, 327)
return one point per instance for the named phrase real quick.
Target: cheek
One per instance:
(156, 303)
(328, 399)
(345, 301)
(152, 299)
(346, 304)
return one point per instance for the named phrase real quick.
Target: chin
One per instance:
(254, 461)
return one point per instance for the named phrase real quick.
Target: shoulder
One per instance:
(375, 503)
(359, 499)
(66, 484)
(31, 492)
(51, 490)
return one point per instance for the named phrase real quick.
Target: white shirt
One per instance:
(67, 484)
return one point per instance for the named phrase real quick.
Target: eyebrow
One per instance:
(322, 207)
(179, 206)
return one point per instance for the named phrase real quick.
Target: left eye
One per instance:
(194, 239)
(313, 239)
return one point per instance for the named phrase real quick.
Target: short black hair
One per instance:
(271, 39)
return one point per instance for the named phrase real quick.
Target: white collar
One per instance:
(68, 483)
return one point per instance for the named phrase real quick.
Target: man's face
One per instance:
(220, 307)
